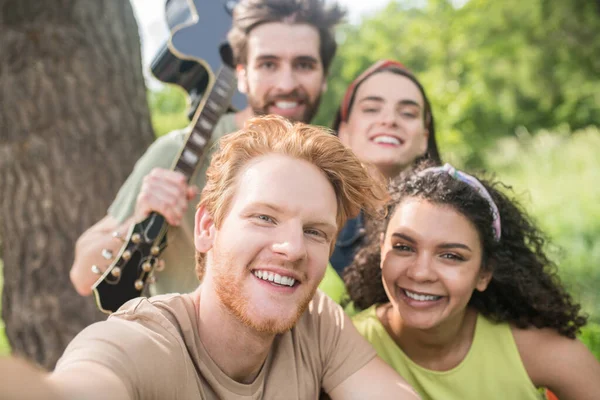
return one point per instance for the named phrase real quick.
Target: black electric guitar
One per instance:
(204, 35)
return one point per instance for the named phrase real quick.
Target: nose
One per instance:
(286, 80)
(388, 117)
(290, 244)
(421, 269)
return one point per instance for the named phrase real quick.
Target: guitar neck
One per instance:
(214, 105)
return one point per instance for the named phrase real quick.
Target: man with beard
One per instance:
(282, 49)
(257, 328)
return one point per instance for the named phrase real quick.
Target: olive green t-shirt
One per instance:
(154, 347)
(178, 275)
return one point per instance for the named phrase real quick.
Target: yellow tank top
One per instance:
(491, 370)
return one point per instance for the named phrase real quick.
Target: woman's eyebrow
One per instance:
(454, 245)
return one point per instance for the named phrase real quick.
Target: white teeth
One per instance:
(421, 297)
(275, 278)
(387, 140)
(286, 104)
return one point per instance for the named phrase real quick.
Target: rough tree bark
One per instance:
(73, 121)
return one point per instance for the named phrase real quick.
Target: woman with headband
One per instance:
(386, 119)
(461, 299)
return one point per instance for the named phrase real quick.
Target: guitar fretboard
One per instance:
(210, 111)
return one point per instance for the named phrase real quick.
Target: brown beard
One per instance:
(260, 107)
(229, 295)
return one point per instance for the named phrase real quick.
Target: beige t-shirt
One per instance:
(154, 346)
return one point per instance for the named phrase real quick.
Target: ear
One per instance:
(204, 230)
(485, 276)
(242, 78)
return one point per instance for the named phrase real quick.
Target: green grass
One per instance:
(4, 347)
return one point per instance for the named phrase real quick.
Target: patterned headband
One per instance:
(475, 184)
(381, 64)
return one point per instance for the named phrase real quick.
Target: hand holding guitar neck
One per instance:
(166, 192)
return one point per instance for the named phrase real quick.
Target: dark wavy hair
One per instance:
(248, 14)
(524, 290)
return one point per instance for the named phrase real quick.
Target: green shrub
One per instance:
(168, 109)
(556, 175)
(165, 123)
(590, 335)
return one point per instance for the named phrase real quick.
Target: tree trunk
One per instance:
(73, 121)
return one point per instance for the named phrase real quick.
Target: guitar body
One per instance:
(213, 82)
(135, 261)
(178, 61)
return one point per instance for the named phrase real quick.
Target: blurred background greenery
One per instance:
(515, 89)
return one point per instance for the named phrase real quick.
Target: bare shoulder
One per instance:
(557, 362)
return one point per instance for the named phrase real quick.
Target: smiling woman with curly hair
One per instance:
(461, 298)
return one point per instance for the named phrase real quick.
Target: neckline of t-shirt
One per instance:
(464, 361)
(242, 389)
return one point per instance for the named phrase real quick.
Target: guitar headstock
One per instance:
(195, 50)
(203, 38)
(133, 266)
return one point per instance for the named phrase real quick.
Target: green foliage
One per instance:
(558, 172)
(590, 336)
(489, 67)
(168, 109)
(165, 123)
(169, 99)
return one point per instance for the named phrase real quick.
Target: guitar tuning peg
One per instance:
(117, 235)
(116, 272)
(155, 250)
(126, 255)
(139, 285)
(136, 238)
(147, 266)
(107, 254)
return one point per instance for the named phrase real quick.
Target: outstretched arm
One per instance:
(376, 380)
(20, 380)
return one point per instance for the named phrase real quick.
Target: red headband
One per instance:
(381, 64)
